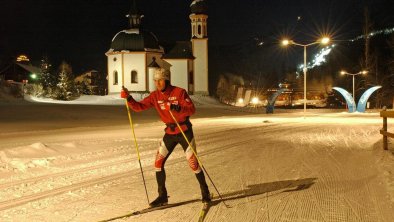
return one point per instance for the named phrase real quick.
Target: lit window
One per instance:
(134, 77)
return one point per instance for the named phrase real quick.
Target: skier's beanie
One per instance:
(161, 74)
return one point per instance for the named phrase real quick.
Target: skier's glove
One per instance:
(169, 106)
(175, 107)
(125, 94)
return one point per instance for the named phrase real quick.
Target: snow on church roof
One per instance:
(134, 40)
(195, 2)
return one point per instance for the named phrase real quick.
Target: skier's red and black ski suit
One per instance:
(173, 136)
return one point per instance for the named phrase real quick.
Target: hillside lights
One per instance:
(22, 58)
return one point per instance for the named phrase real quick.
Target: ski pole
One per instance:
(198, 159)
(136, 147)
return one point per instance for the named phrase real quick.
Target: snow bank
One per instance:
(82, 100)
(114, 99)
(24, 157)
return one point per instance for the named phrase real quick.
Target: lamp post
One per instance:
(286, 42)
(354, 74)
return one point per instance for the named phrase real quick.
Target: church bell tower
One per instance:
(199, 40)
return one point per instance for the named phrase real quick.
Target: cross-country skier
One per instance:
(165, 99)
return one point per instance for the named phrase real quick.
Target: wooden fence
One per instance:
(386, 114)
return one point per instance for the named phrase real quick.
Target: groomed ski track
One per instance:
(268, 168)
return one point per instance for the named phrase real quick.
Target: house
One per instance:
(21, 71)
(91, 82)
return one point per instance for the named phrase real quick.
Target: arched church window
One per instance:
(115, 77)
(199, 29)
(134, 77)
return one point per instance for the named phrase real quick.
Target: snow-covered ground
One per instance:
(78, 162)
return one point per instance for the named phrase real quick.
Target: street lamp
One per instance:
(33, 76)
(354, 74)
(286, 42)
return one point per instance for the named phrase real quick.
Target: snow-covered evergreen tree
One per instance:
(47, 80)
(66, 86)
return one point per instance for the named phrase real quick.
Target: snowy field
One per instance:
(77, 162)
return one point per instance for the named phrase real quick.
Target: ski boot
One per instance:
(159, 201)
(206, 198)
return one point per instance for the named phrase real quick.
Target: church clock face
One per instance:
(115, 59)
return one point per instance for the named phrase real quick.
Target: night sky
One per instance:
(80, 31)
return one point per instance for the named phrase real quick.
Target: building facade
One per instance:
(135, 53)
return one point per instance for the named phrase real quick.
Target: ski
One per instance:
(150, 209)
(204, 211)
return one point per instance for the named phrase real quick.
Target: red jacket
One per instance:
(157, 99)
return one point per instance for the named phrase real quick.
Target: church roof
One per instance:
(199, 7)
(154, 63)
(134, 40)
(181, 50)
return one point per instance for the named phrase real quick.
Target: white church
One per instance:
(136, 53)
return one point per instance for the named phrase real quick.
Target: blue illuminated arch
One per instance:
(275, 96)
(348, 97)
(272, 99)
(364, 98)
